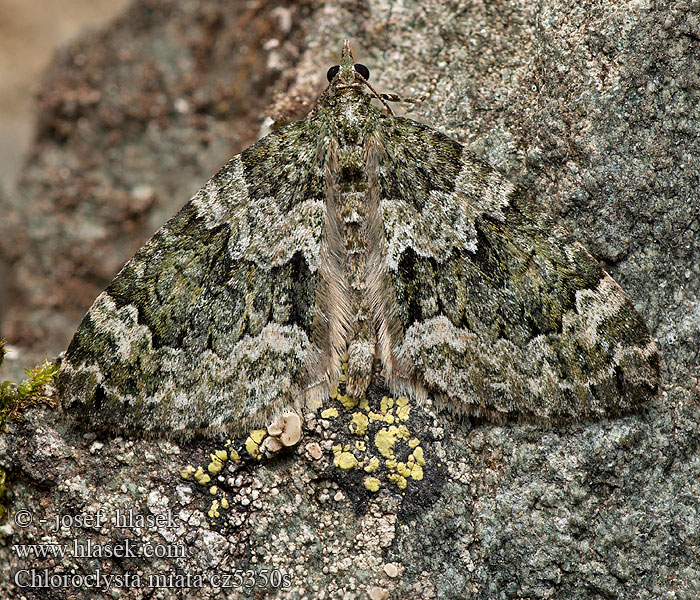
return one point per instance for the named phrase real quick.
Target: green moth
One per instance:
(355, 233)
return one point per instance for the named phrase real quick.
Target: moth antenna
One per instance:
(378, 96)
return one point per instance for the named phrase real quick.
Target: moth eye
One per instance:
(332, 72)
(362, 70)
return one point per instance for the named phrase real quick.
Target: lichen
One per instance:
(372, 484)
(372, 437)
(252, 443)
(359, 424)
(188, 472)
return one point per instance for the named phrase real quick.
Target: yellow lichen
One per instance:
(201, 477)
(258, 434)
(330, 413)
(252, 447)
(384, 441)
(372, 465)
(402, 432)
(372, 484)
(215, 466)
(224, 503)
(417, 472)
(418, 455)
(391, 415)
(387, 418)
(386, 404)
(187, 472)
(214, 509)
(398, 480)
(252, 443)
(359, 423)
(345, 460)
(348, 402)
(402, 469)
(235, 457)
(386, 438)
(403, 412)
(213, 489)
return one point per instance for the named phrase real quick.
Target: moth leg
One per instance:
(397, 98)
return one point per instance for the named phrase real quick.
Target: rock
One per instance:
(593, 108)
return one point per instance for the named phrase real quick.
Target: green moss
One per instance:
(14, 397)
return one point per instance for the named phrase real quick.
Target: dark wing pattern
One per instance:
(503, 313)
(208, 327)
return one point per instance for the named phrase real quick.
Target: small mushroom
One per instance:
(292, 429)
(276, 428)
(272, 444)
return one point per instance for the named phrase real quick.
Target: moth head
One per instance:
(347, 72)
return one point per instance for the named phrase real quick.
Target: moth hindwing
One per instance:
(358, 233)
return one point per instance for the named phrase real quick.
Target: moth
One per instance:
(361, 236)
